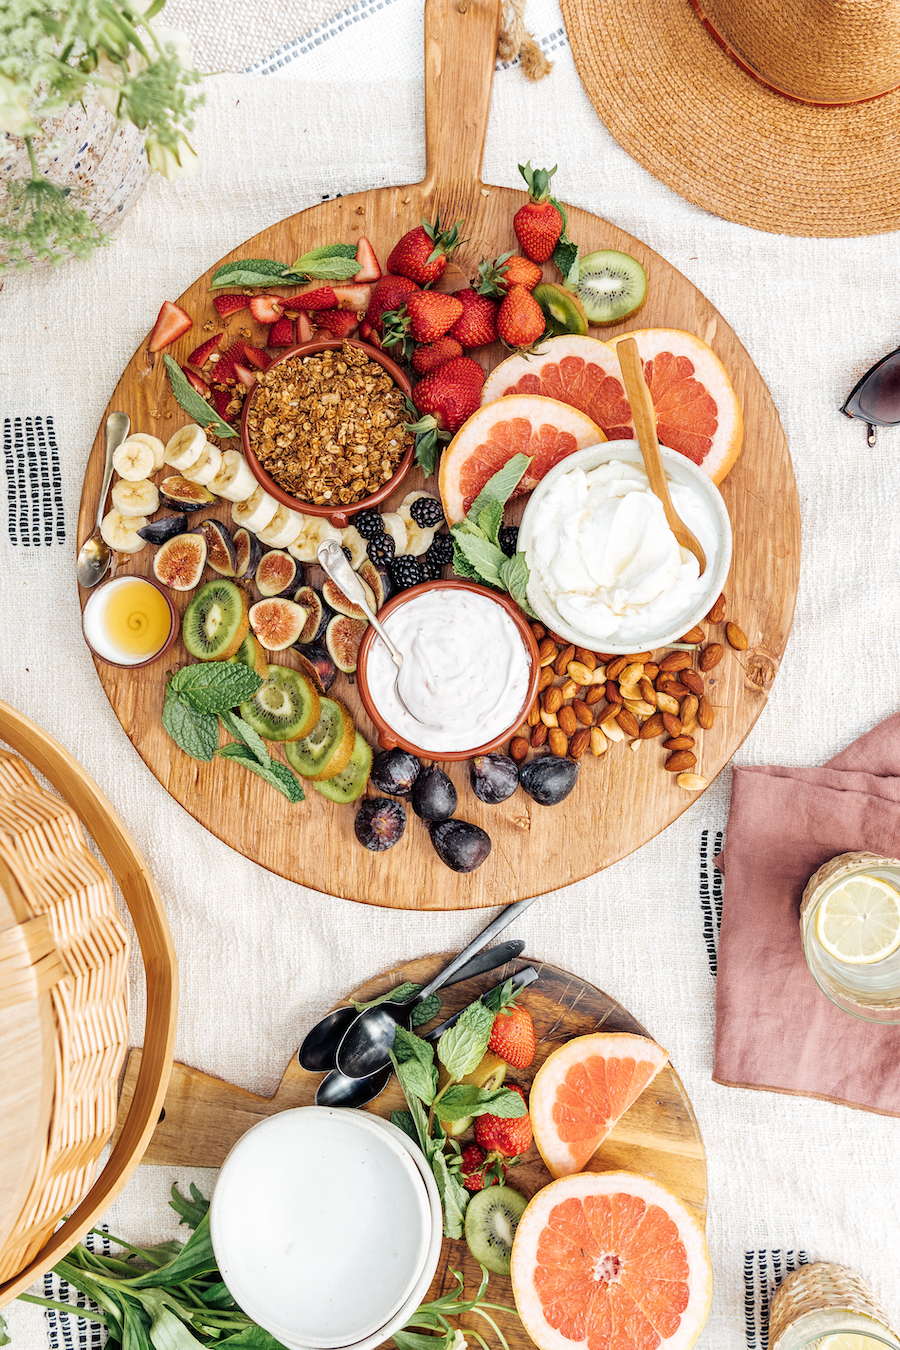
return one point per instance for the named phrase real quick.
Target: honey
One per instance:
(128, 621)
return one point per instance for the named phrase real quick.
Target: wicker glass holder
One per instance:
(823, 1299)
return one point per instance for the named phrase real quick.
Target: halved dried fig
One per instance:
(220, 551)
(277, 622)
(342, 638)
(276, 573)
(177, 491)
(179, 562)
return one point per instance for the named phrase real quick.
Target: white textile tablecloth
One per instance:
(335, 110)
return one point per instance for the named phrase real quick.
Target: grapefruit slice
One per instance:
(582, 1089)
(697, 411)
(523, 424)
(580, 371)
(610, 1262)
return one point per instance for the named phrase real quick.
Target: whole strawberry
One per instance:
(501, 1137)
(451, 393)
(538, 224)
(475, 1173)
(520, 321)
(512, 1035)
(424, 317)
(388, 293)
(477, 325)
(422, 253)
(509, 269)
(427, 359)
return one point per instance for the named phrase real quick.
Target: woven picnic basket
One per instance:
(64, 1002)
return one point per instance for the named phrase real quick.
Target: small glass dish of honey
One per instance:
(129, 621)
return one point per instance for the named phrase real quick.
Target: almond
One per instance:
(672, 724)
(595, 694)
(705, 713)
(562, 661)
(648, 693)
(639, 707)
(693, 681)
(717, 613)
(582, 712)
(675, 661)
(553, 699)
(679, 743)
(682, 759)
(612, 731)
(587, 658)
(632, 673)
(667, 704)
(549, 719)
(598, 741)
(547, 651)
(579, 743)
(599, 675)
(545, 679)
(652, 727)
(615, 667)
(736, 637)
(641, 657)
(518, 748)
(559, 742)
(613, 693)
(560, 641)
(534, 714)
(675, 689)
(538, 736)
(567, 720)
(695, 634)
(688, 713)
(628, 722)
(651, 670)
(691, 782)
(711, 656)
(609, 715)
(580, 671)
(569, 689)
(539, 631)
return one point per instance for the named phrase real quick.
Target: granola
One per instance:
(330, 428)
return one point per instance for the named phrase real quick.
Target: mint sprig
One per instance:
(331, 262)
(477, 555)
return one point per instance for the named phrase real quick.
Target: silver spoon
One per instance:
(333, 561)
(319, 1046)
(95, 555)
(366, 1045)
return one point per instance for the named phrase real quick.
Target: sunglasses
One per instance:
(875, 399)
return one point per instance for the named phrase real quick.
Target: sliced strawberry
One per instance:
(200, 355)
(369, 269)
(221, 399)
(368, 334)
(256, 356)
(304, 327)
(230, 303)
(323, 297)
(281, 334)
(352, 297)
(266, 308)
(246, 377)
(195, 382)
(339, 322)
(223, 369)
(171, 322)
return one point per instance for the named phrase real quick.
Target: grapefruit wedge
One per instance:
(580, 371)
(610, 1261)
(583, 1089)
(542, 428)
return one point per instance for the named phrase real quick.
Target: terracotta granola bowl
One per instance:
(339, 516)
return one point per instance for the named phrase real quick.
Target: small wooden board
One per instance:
(659, 1136)
(622, 800)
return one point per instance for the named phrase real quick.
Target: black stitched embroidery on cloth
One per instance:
(711, 893)
(34, 503)
(763, 1273)
(65, 1332)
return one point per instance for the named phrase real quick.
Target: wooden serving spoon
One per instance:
(644, 418)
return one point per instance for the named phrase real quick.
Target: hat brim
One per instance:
(686, 111)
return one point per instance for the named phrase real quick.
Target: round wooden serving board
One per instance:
(658, 1137)
(622, 799)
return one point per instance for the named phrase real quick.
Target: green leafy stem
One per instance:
(477, 554)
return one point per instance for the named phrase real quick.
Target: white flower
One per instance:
(177, 38)
(458, 1342)
(15, 117)
(178, 163)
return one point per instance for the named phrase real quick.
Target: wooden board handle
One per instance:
(460, 51)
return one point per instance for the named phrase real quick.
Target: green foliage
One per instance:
(477, 555)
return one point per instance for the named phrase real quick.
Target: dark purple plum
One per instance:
(460, 845)
(394, 771)
(493, 777)
(433, 795)
(380, 823)
(549, 780)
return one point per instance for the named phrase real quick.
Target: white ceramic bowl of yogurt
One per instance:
(326, 1227)
(606, 570)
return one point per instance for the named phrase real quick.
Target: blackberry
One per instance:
(369, 524)
(431, 570)
(426, 512)
(347, 554)
(381, 548)
(440, 551)
(406, 572)
(509, 539)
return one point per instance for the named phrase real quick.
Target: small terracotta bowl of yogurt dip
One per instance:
(478, 662)
(606, 570)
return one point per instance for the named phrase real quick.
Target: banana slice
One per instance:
(313, 532)
(352, 539)
(185, 446)
(234, 481)
(395, 526)
(284, 528)
(135, 499)
(133, 460)
(121, 532)
(416, 496)
(417, 539)
(256, 512)
(155, 444)
(206, 467)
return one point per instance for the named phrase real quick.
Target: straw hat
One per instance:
(780, 114)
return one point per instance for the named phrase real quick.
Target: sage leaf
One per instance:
(464, 1099)
(251, 272)
(485, 557)
(214, 686)
(193, 403)
(276, 774)
(515, 576)
(243, 732)
(501, 486)
(196, 733)
(489, 521)
(462, 1047)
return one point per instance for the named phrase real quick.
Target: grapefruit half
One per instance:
(524, 424)
(583, 1089)
(580, 371)
(610, 1261)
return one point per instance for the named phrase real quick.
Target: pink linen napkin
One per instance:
(775, 1029)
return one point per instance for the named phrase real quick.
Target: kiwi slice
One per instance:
(492, 1217)
(327, 749)
(489, 1073)
(286, 708)
(251, 654)
(562, 309)
(350, 783)
(216, 621)
(610, 285)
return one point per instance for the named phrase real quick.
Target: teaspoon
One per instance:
(95, 555)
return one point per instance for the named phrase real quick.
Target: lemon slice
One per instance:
(858, 922)
(849, 1340)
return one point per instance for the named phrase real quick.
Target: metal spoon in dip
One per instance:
(644, 419)
(95, 554)
(333, 561)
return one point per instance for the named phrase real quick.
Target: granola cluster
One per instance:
(329, 428)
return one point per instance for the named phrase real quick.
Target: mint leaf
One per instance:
(514, 576)
(415, 1066)
(214, 686)
(332, 262)
(484, 556)
(399, 994)
(462, 567)
(275, 774)
(501, 486)
(565, 255)
(464, 1099)
(404, 1121)
(196, 733)
(454, 1197)
(243, 732)
(426, 452)
(192, 402)
(424, 1011)
(490, 520)
(251, 272)
(462, 1048)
